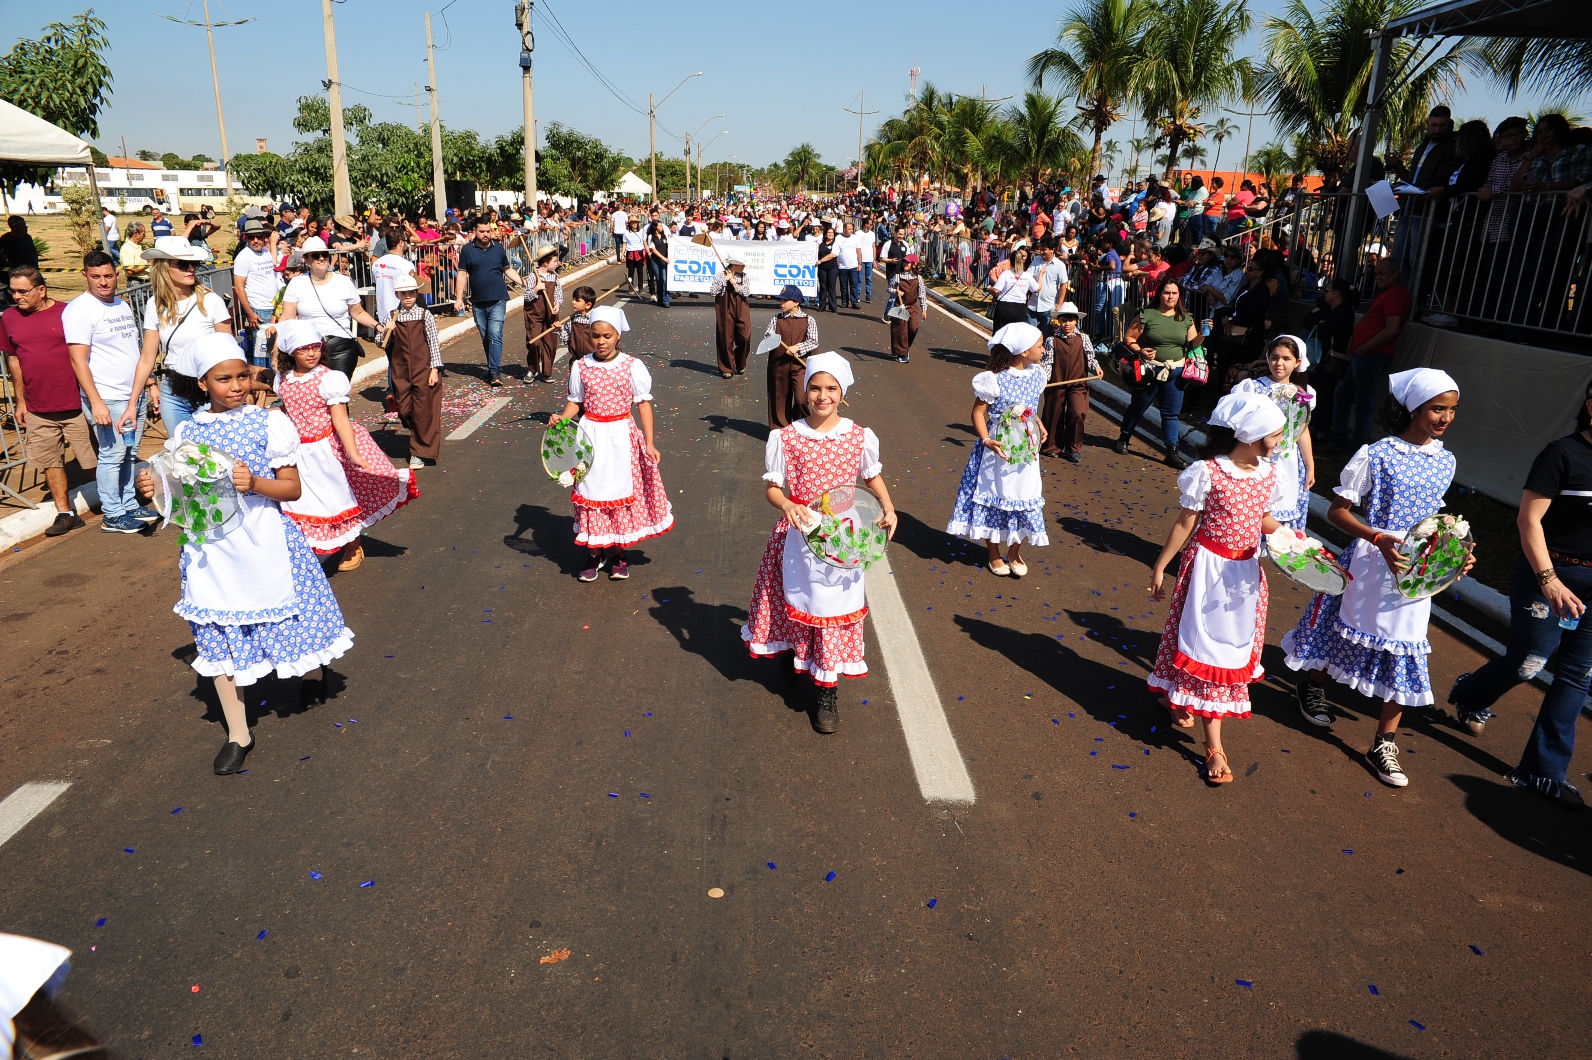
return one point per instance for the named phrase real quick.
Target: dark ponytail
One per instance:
(1396, 419)
(1219, 441)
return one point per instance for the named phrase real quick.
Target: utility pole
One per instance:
(439, 189)
(522, 13)
(215, 78)
(862, 109)
(342, 195)
(652, 135)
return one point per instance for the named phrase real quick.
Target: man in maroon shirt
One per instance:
(1371, 349)
(49, 406)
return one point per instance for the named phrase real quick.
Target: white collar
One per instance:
(1234, 470)
(617, 358)
(1433, 446)
(836, 431)
(208, 415)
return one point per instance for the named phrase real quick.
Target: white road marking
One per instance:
(942, 776)
(26, 803)
(473, 424)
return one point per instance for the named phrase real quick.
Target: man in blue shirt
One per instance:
(483, 265)
(159, 223)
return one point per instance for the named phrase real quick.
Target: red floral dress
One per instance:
(1210, 650)
(339, 500)
(801, 604)
(622, 499)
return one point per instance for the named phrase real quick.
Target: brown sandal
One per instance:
(1180, 718)
(1213, 777)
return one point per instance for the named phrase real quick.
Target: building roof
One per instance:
(1550, 19)
(113, 162)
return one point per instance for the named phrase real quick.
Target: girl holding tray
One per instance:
(1216, 627)
(1373, 638)
(1001, 498)
(621, 499)
(1294, 458)
(252, 593)
(801, 604)
(349, 485)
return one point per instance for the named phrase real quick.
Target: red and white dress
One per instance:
(1210, 649)
(621, 500)
(801, 604)
(339, 501)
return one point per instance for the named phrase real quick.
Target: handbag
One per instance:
(1196, 369)
(1131, 367)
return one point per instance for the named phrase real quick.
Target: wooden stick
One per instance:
(567, 319)
(1070, 382)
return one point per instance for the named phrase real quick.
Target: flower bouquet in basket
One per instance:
(1303, 559)
(846, 531)
(566, 453)
(194, 489)
(1436, 551)
(1017, 432)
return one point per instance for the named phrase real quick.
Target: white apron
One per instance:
(1372, 604)
(1218, 625)
(819, 589)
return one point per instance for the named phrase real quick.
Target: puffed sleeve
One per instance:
(985, 388)
(335, 388)
(872, 463)
(640, 381)
(774, 459)
(1249, 386)
(1356, 477)
(577, 392)
(281, 440)
(1194, 485)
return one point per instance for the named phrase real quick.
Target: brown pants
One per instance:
(1064, 411)
(419, 405)
(539, 355)
(784, 390)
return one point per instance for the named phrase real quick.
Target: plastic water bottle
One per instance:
(1205, 327)
(1570, 622)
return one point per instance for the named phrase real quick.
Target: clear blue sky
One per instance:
(776, 83)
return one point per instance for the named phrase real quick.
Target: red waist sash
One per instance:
(1222, 550)
(607, 419)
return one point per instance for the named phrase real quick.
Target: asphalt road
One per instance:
(1095, 899)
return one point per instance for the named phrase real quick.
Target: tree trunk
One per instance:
(1094, 156)
(1174, 141)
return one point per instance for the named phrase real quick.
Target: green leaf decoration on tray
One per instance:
(566, 453)
(844, 540)
(1015, 432)
(1436, 551)
(194, 489)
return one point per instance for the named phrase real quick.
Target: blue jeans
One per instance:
(1168, 397)
(660, 280)
(489, 322)
(851, 286)
(118, 459)
(174, 410)
(251, 337)
(1359, 392)
(1534, 635)
(867, 280)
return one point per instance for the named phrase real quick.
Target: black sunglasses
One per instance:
(185, 266)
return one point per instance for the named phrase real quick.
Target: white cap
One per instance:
(1019, 338)
(291, 334)
(1299, 348)
(206, 352)
(1250, 417)
(611, 315)
(1416, 387)
(831, 363)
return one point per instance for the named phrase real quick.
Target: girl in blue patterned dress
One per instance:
(1293, 459)
(1372, 638)
(253, 594)
(1002, 498)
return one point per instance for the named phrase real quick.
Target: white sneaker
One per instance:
(415, 463)
(1384, 759)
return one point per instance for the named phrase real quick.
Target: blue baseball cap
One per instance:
(792, 293)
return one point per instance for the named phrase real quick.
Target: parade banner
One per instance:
(770, 266)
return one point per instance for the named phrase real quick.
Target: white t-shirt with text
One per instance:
(261, 281)
(845, 248)
(387, 270)
(113, 340)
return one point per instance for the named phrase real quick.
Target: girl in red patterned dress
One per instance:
(621, 499)
(349, 485)
(801, 604)
(1216, 627)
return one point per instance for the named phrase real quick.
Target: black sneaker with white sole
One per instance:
(1384, 759)
(1312, 702)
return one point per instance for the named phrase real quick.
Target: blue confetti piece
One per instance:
(128, 850)
(1368, 794)
(829, 878)
(101, 923)
(627, 732)
(315, 875)
(198, 1040)
(1115, 766)
(1474, 949)
(1152, 728)
(613, 794)
(486, 620)
(508, 717)
(306, 758)
(1055, 721)
(1093, 753)
(1245, 983)
(1398, 872)
(394, 656)
(646, 714)
(242, 771)
(1146, 750)
(1100, 739)
(337, 724)
(1133, 814)
(646, 794)
(865, 702)
(933, 902)
(772, 866)
(960, 698)
(353, 721)
(368, 883)
(1070, 714)
(176, 811)
(1417, 1026)
(1347, 851)
(1286, 751)
(1374, 991)
(699, 570)
(261, 935)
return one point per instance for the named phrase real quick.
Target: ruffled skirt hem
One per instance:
(222, 667)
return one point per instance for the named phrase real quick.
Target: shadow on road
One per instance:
(968, 358)
(922, 540)
(1325, 1045)
(719, 424)
(713, 632)
(1528, 821)
(1107, 539)
(549, 536)
(863, 353)
(694, 366)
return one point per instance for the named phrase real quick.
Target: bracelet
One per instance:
(1376, 540)
(1546, 576)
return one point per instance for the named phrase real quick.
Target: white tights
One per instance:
(233, 710)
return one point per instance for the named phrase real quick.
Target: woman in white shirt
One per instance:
(181, 311)
(1012, 289)
(330, 301)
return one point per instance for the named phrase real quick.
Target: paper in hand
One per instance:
(1382, 199)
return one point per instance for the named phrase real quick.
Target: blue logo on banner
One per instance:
(692, 268)
(796, 274)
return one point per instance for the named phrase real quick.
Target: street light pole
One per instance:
(862, 109)
(652, 121)
(688, 139)
(700, 146)
(342, 194)
(522, 13)
(439, 183)
(215, 79)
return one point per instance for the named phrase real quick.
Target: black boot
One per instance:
(827, 719)
(1120, 447)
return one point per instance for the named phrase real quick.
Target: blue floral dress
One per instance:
(998, 500)
(1297, 403)
(1372, 638)
(254, 595)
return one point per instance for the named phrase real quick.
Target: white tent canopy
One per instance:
(630, 184)
(26, 137)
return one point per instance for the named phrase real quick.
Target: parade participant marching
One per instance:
(348, 483)
(252, 593)
(1373, 638)
(1071, 356)
(798, 336)
(909, 291)
(621, 499)
(732, 315)
(800, 604)
(1001, 498)
(543, 298)
(575, 333)
(1216, 627)
(1295, 459)
(414, 353)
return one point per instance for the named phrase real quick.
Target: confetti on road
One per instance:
(1115, 766)
(933, 902)
(306, 758)
(195, 989)
(1374, 990)
(1417, 1026)
(198, 1040)
(261, 935)
(772, 866)
(1347, 851)
(1474, 949)
(315, 875)
(556, 956)
(829, 878)
(645, 794)
(128, 850)
(101, 923)
(715, 892)
(508, 717)
(613, 794)
(368, 883)
(1245, 983)
(1133, 814)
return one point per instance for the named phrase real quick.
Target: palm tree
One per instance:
(802, 160)
(1272, 161)
(911, 143)
(1219, 132)
(1547, 65)
(1097, 44)
(1041, 141)
(1110, 151)
(1192, 153)
(970, 132)
(1190, 60)
(1142, 145)
(1318, 71)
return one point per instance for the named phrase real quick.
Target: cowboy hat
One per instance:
(1068, 310)
(176, 248)
(406, 283)
(546, 252)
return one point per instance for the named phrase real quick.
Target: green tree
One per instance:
(1549, 65)
(147, 155)
(1041, 141)
(910, 144)
(1219, 132)
(593, 165)
(1273, 161)
(800, 164)
(1190, 61)
(1097, 45)
(63, 78)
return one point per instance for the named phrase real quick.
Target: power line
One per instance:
(568, 41)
